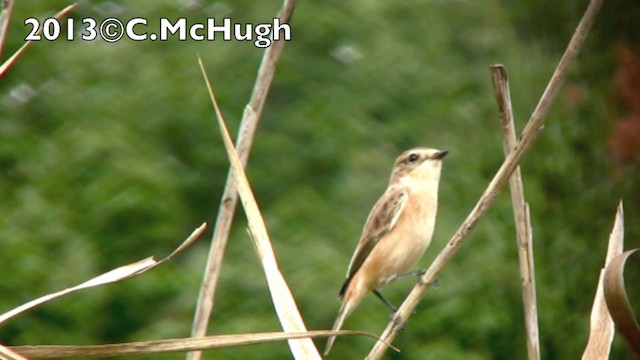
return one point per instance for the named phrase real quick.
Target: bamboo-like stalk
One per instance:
(524, 236)
(530, 133)
(229, 201)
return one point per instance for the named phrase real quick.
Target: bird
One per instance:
(397, 231)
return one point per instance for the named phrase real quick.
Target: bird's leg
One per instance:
(398, 324)
(417, 273)
(394, 309)
(385, 300)
(410, 273)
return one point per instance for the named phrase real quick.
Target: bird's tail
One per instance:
(345, 310)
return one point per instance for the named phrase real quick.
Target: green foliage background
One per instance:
(116, 156)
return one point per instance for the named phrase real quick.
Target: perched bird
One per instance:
(397, 232)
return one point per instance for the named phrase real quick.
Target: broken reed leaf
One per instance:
(616, 237)
(601, 327)
(173, 345)
(12, 60)
(187, 242)
(283, 301)
(120, 273)
(114, 275)
(618, 303)
(257, 227)
(117, 274)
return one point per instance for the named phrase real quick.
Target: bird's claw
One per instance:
(398, 324)
(435, 282)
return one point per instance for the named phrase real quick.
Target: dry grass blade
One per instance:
(6, 354)
(5, 16)
(524, 234)
(283, 301)
(601, 325)
(118, 274)
(530, 133)
(172, 345)
(248, 126)
(618, 302)
(12, 60)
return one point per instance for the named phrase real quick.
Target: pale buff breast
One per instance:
(400, 249)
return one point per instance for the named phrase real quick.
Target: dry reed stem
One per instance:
(5, 17)
(12, 60)
(524, 233)
(228, 203)
(530, 133)
(601, 325)
(283, 300)
(6, 354)
(170, 345)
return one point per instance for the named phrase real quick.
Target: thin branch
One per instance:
(524, 236)
(229, 200)
(530, 133)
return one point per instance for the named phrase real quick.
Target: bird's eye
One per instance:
(413, 158)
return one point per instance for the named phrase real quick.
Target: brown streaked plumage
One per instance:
(397, 231)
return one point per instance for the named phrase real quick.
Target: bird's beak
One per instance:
(441, 154)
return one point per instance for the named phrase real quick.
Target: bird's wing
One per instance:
(381, 220)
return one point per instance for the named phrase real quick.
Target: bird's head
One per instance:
(418, 164)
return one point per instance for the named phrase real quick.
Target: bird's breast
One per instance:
(403, 246)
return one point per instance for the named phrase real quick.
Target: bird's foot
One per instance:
(410, 273)
(434, 283)
(398, 324)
